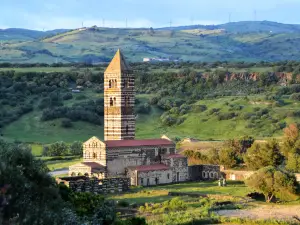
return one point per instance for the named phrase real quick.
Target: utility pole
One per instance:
(170, 23)
(82, 24)
(229, 18)
(103, 22)
(126, 22)
(192, 20)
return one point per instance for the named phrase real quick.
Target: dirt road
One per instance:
(264, 212)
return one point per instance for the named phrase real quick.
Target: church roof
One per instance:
(117, 64)
(136, 143)
(145, 168)
(96, 167)
(175, 156)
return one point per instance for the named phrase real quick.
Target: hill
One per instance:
(245, 27)
(240, 41)
(179, 100)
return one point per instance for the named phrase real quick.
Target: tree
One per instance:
(293, 162)
(76, 148)
(227, 157)
(56, 149)
(262, 155)
(31, 195)
(291, 142)
(273, 183)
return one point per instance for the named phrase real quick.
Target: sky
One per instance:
(55, 14)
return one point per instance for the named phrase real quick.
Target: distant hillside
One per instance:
(240, 41)
(245, 27)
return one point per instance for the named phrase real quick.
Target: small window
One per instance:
(116, 84)
(168, 176)
(109, 84)
(111, 102)
(115, 101)
(127, 129)
(94, 155)
(142, 181)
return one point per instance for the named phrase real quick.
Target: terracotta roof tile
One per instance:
(135, 143)
(175, 156)
(145, 168)
(96, 167)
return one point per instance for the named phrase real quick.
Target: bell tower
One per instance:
(119, 99)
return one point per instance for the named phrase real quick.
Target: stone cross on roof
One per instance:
(117, 64)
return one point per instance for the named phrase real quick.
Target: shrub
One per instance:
(144, 109)
(226, 116)
(67, 96)
(199, 108)
(66, 123)
(295, 96)
(213, 110)
(80, 97)
(123, 203)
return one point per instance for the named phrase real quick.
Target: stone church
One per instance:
(145, 162)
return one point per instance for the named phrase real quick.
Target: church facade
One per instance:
(145, 162)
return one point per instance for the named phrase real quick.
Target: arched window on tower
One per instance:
(115, 101)
(109, 84)
(111, 102)
(126, 101)
(116, 83)
(127, 83)
(94, 155)
(127, 129)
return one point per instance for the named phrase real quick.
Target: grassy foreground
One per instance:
(158, 207)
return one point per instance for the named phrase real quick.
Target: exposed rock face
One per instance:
(283, 78)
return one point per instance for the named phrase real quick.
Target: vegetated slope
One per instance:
(248, 41)
(245, 27)
(176, 102)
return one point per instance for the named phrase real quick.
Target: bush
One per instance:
(213, 110)
(144, 109)
(199, 108)
(226, 116)
(76, 148)
(56, 149)
(123, 203)
(295, 96)
(67, 96)
(80, 97)
(66, 123)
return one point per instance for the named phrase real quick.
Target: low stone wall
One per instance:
(237, 174)
(204, 172)
(97, 186)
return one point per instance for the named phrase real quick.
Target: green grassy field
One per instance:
(61, 164)
(201, 125)
(160, 193)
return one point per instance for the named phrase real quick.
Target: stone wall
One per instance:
(151, 178)
(204, 172)
(180, 171)
(120, 158)
(97, 186)
(237, 174)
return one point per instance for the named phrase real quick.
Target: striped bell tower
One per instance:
(119, 99)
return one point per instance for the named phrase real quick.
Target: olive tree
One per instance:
(273, 182)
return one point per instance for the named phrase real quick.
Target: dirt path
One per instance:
(264, 212)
